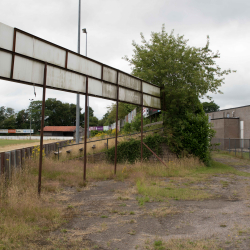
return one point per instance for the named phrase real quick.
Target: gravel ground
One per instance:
(108, 216)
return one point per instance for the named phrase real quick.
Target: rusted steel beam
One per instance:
(41, 133)
(154, 154)
(116, 121)
(66, 59)
(13, 54)
(85, 130)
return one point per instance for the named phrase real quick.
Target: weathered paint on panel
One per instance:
(62, 79)
(5, 64)
(109, 74)
(129, 96)
(129, 82)
(35, 48)
(95, 87)
(151, 101)
(150, 89)
(28, 70)
(6, 35)
(84, 66)
(109, 90)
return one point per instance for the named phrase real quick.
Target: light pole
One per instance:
(30, 117)
(85, 31)
(78, 96)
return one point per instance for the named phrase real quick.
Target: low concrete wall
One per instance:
(36, 137)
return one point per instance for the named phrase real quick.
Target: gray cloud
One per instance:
(112, 25)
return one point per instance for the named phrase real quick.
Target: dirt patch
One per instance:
(108, 216)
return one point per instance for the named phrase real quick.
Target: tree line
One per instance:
(57, 113)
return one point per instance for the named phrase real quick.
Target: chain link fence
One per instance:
(239, 147)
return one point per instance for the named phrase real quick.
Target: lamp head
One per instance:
(84, 30)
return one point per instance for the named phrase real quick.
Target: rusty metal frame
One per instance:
(65, 67)
(13, 55)
(41, 133)
(85, 131)
(75, 53)
(154, 154)
(72, 71)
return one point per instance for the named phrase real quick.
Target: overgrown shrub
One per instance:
(130, 151)
(189, 132)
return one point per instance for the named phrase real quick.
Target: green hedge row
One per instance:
(130, 151)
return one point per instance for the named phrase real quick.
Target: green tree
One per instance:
(7, 118)
(210, 107)
(184, 74)
(23, 119)
(123, 110)
(93, 121)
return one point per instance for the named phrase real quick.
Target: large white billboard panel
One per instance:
(109, 74)
(94, 87)
(109, 91)
(28, 70)
(35, 48)
(151, 101)
(129, 81)
(7, 33)
(150, 89)
(62, 79)
(129, 96)
(83, 65)
(5, 64)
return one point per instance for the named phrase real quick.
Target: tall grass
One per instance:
(23, 214)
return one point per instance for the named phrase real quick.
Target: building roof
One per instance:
(228, 109)
(59, 129)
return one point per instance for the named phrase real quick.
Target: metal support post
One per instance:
(85, 132)
(229, 146)
(141, 124)
(116, 122)
(41, 133)
(77, 117)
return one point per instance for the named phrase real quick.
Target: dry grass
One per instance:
(23, 213)
(177, 244)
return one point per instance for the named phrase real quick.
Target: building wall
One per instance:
(231, 128)
(218, 126)
(243, 113)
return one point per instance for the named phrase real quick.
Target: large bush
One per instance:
(130, 151)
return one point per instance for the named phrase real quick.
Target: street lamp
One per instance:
(30, 118)
(85, 31)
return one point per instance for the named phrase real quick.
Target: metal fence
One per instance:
(233, 145)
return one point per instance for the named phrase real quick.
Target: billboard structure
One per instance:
(27, 59)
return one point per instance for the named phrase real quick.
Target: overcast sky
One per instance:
(113, 24)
